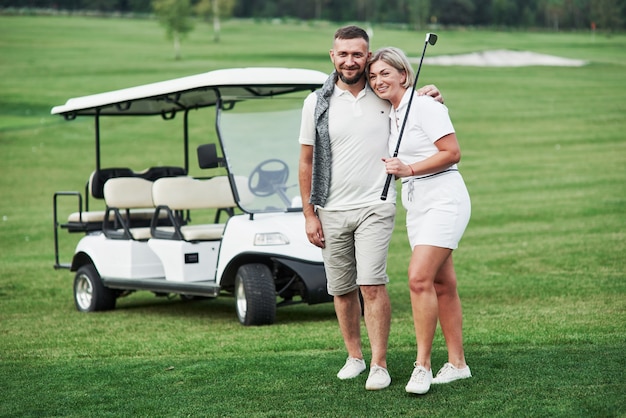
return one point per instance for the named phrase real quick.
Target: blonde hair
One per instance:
(397, 59)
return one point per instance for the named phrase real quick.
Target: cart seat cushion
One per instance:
(203, 232)
(181, 193)
(140, 234)
(128, 193)
(92, 216)
(187, 193)
(137, 234)
(122, 194)
(97, 216)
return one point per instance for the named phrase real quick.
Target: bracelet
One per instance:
(412, 172)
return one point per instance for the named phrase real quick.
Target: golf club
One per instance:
(431, 38)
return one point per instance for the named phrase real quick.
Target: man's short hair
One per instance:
(352, 32)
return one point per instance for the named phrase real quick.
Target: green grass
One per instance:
(541, 267)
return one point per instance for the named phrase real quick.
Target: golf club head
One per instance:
(431, 38)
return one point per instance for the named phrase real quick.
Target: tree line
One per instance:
(605, 15)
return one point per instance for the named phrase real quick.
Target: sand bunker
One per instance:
(502, 58)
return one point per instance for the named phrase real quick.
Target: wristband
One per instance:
(411, 168)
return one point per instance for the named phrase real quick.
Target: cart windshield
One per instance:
(259, 138)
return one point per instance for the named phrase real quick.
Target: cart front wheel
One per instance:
(255, 295)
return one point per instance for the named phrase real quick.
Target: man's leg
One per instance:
(340, 268)
(377, 321)
(348, 310)
(372, 238)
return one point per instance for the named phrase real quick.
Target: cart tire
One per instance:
(255, 295)
(90, 294)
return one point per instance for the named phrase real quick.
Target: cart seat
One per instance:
(176, 194)
(86, 220)
(92, 220)
(123, 194)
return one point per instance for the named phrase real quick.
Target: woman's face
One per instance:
(386, 81)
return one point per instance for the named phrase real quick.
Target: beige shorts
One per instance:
(357, 242)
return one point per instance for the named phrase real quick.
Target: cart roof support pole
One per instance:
(97, 128)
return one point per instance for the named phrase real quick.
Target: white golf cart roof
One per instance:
(194, 91)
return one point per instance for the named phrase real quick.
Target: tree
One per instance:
(319, 5)
(503, 12)
(215, 9)
(419, 13)
(607, 14)
(554, 11)
(175, 15)
(455, 12)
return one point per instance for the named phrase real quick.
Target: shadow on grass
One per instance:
(220, 308)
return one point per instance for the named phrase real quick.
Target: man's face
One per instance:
(350, 58)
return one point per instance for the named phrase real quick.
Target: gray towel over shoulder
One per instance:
(322, 158)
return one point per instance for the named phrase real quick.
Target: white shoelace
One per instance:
(446, 370)
(419, 375)
(377, 370)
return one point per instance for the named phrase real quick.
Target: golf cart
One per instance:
(237, 229)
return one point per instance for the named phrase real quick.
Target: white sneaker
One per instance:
(449, 373)
(420, 380)
(378, 378)
(352, 368)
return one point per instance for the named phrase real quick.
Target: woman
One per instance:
(438, 210)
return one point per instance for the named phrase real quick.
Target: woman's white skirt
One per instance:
(438, 209)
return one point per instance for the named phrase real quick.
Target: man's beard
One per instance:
(350, 81)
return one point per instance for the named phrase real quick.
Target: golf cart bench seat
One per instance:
(177, 194)
(83, 221)
(86, 220)
(123, 194)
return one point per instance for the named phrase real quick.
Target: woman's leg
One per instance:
(450, 313)
(426, 261)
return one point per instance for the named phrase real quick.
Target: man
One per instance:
(343, 137)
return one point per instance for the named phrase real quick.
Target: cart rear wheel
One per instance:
(255, 295)
(90, 294)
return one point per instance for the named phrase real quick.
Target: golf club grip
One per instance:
(383, 196)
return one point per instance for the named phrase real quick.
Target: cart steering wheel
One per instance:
(269, 177)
